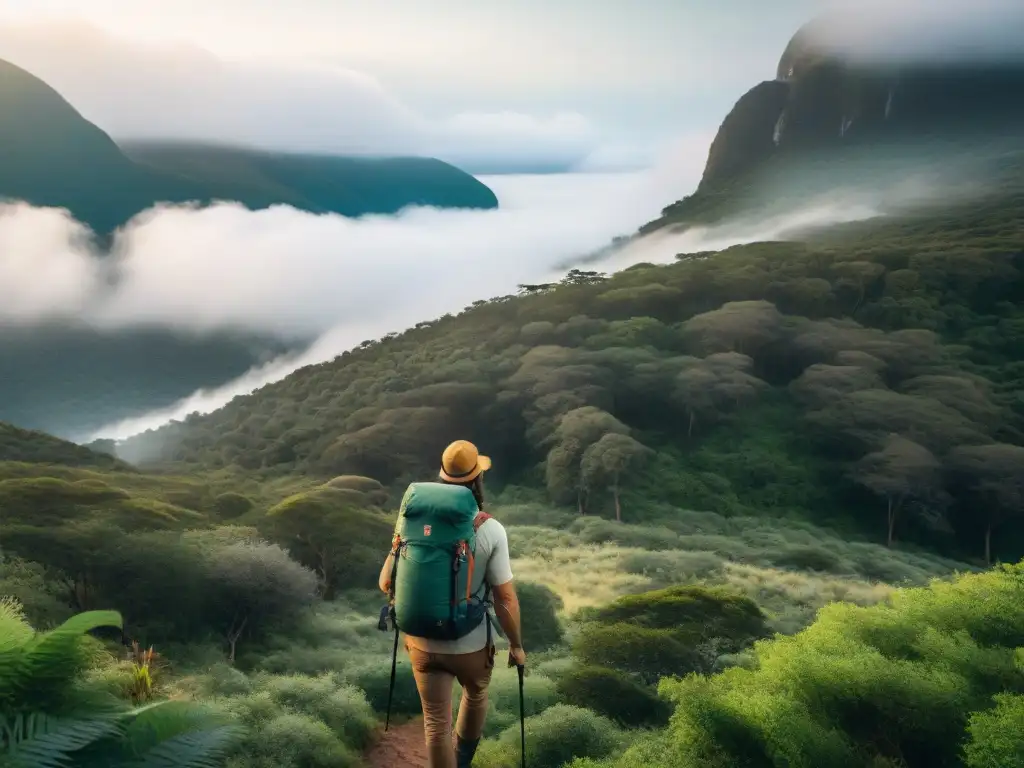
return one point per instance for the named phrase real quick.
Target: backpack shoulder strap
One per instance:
(480, 519)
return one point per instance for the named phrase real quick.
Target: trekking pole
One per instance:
(391, 687)
(522, 716)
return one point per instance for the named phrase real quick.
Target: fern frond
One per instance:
(14, 627)
(194, 749)
(155, 723)
(40, 741)
(36, 675)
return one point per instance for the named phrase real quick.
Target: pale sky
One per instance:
(613, 80)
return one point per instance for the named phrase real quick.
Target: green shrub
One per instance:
(230, 505)
(553, 738)
(647, 653)
(997, 735)
(292, 740)
(595, 530)
(890, 684)
(539, 608)
(43, 601)
(694, 614)
(374, 679)
(669, 632)
(614, 695)
(673, 567)
(806, 558)
(344, 709)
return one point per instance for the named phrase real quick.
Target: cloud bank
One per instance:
(531, 242)
(137, 92)
(924, 31)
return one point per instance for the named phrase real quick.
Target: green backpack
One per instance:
(432, 575)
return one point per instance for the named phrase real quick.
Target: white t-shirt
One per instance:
(493, 564)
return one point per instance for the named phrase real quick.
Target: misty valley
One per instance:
(751, 419)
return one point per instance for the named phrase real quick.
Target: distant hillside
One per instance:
(29, 447)
(829, 120)
(351, 186)
(51, 156)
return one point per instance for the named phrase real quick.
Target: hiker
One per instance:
(469, 658)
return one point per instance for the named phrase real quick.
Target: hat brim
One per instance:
(483, 463)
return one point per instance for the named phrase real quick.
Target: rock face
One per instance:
(50, 155)
(747, 136)
(822, 98)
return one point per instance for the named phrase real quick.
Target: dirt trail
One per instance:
(401, 747)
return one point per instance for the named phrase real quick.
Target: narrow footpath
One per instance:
(401, 747)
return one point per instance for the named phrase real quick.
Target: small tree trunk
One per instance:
(689, 429)
(891, 529)
(325, 574)
(233, 635)
(988, 544)
(579, 502)
(618, 506)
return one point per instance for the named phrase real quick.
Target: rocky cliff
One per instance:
(822, 97)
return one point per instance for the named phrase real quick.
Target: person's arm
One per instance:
(506, 607)
(384, 580)
(506, 602)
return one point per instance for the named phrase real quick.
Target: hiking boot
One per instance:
(464, 751)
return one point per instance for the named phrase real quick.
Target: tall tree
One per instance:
(608, 461)
(576, 432)
(994, 477)
(901, 472)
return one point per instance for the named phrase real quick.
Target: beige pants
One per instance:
(435, 675)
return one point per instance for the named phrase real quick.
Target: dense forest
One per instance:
(870, 380)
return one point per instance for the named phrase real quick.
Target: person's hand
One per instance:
(516, 657)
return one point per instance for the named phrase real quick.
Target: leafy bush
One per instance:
(884, 685)
(43, 604)
(695, 614)
(614, 695)
(807, 558)
(334, 532)
(253, 587)
(539, 608)
(671, 631)
(673, 567)
(293, 740)
(344, 709)
(374, 678)
(650, 654)
(553, 738)
(997, 735)
(228, 506)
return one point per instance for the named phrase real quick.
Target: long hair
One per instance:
(476, 485)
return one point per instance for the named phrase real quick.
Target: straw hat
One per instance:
(461, 462)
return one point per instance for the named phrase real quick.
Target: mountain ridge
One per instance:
(50, 155)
